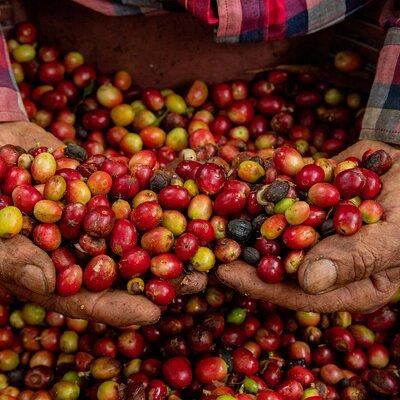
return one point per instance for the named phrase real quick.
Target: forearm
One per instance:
(11, 106)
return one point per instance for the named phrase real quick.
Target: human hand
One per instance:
(28, 272)
(26, 135)
(356, 273)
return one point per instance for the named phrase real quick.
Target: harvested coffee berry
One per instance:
(240, 230)
(347, 219)
(377, 161)
(251, 255)
(270, 269)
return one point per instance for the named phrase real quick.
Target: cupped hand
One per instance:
(358, 273)
(26, 135)
(28, 272)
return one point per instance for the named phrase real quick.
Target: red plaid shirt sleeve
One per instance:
(382, 115)
(11, 106)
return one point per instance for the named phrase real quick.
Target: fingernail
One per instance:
(319, 276)
(32, 278)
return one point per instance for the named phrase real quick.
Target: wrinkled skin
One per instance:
(30, 274)
(359, 273)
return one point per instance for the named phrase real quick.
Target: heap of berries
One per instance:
(251, 178)
(123, 225)
(212, 346)
(109, 114)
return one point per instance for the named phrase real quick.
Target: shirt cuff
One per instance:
(11, 105)
(382, 115)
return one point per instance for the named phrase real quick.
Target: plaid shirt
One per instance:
(11, 107)
(261, 20)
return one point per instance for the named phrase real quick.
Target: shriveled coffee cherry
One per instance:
(274, 192)
(240, 230)
(251, 255)
(378, 161)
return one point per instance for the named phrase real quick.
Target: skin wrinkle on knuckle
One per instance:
(2, 266)
(304, 303)
(51, 303)
(96, 301)
(364, 260)
(340, 301)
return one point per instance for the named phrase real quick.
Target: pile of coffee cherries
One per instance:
(110, 115)
(186, 221)
(274, 202)
(162, 184)
(212, 346)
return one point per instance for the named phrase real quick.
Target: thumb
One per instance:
(24, 264)
(339, 260)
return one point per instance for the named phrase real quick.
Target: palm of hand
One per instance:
(30, 273)
(358, 273)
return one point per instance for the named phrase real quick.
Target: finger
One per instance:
(193, 282)
(24, 264)
(115, 308)
(361, 296)
(339, 260)
(27, 135)
(358, 149)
